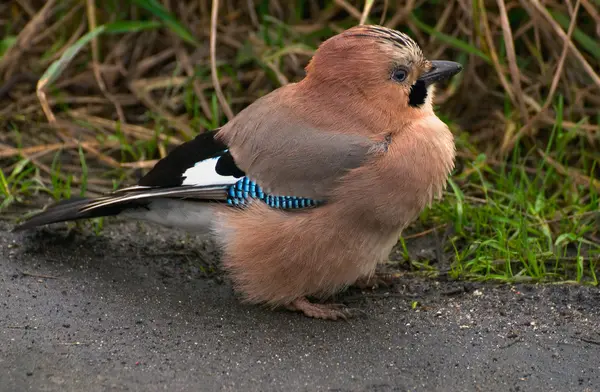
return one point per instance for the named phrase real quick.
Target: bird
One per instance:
(307, 189)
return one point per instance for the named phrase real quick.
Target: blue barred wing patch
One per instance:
(244, 190)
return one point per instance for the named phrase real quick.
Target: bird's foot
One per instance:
(377, 280)
(321, 311)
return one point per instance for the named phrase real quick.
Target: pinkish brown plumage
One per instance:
(358, 133)
(318, 252)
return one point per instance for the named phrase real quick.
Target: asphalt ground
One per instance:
(140, 308)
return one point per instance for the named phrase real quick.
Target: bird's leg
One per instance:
(376, 280)
(320, 311)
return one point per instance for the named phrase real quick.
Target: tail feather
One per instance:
(192, 192)
(121, 201)
(73, 209)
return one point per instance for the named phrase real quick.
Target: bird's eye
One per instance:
(400, 75)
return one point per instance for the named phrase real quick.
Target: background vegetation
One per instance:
(93, 92)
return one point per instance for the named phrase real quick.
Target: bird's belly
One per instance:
(378, 253)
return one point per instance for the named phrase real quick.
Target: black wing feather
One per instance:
(168, 172)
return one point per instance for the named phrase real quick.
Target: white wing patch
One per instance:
(204, 173)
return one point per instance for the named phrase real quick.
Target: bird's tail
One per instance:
(168, 206)
(75, 209)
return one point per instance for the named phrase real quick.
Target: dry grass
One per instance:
(518, 59)
(93, 93)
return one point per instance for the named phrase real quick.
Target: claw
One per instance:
(323, 311)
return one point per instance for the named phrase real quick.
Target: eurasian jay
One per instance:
(308, 188)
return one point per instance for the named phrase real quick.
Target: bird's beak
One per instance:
(440, 70)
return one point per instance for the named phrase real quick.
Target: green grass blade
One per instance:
(134, 26)
(4, 188)
(588, 43)
(18, 169)
(84, 172)
(160, 12)
(6, 43)
(460, 197)
(58, 66)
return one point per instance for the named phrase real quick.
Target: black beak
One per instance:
(440, 70)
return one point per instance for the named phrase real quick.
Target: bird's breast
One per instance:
(394, 188)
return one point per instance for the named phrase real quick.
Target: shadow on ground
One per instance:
(141, 308)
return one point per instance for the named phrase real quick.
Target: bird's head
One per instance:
(380, 64)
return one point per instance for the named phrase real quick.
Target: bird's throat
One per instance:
(418, 94)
